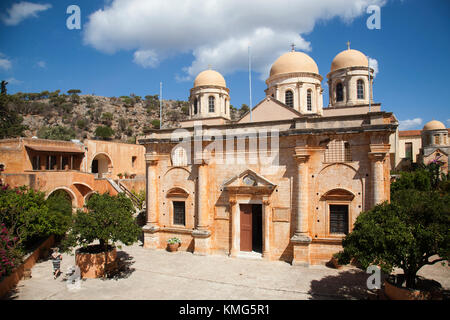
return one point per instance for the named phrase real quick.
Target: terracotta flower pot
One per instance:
(173, 247)
(395, 292)
(92, 265)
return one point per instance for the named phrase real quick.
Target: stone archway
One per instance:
(101, 165)
(65, 191)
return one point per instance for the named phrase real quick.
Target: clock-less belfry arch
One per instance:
(330, 164)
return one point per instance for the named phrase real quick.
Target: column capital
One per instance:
(377, 156)
(301, 158)
(232, 202)
(151, 158)
(266, 202)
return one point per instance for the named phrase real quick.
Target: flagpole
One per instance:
(160, 105)
(370, 90)
(250, 81)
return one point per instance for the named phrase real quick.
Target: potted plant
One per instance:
(410, 232)
(125, 175)
(173, 244)
(108, 220)
(334, 261)
(120, 175)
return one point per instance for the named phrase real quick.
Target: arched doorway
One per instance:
(101, 165)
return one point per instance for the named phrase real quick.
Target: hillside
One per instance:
(53, 115)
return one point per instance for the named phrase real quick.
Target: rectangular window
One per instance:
(436, 139)
(179, 213)
(36, 163)
(51, 162)
(133, 161)
(338, 219)
(408, 150)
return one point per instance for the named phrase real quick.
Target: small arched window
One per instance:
(309, 100)
(195, 106)
(360, 89)
(339, 92)
(212, 102)
(179, 157)
(289, 98)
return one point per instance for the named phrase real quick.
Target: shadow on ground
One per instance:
(347, 285)
(124, 269)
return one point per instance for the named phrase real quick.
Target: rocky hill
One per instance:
(53, 115)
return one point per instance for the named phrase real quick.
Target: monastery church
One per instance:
(332, 164)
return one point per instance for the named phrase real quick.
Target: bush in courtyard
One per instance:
(9, 255)
(108, 219)
(405, 233)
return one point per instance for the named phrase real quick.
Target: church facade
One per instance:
(286, 181)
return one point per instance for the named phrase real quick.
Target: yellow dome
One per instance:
(294, 62)
(210, 78)
(434, 125)
(349, 58)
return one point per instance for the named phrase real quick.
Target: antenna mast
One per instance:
(160, 105)
(250, 81)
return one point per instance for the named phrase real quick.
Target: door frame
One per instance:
(237, 240)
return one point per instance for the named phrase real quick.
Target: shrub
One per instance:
(108, 219)
(9, 255)
(56, 133)
(104, 132)
(155, 123)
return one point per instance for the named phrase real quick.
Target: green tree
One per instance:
(104, 132)
(108, 219)
(56, 133)
(405, 233)
(27, 214)
(74, 91)
(155, 123)
(10, 121)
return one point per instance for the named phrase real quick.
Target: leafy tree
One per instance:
(27, 214)
(243, 110)
(56, 133)
(123, 124)
(155, 123)
(405, 233)
(82, 123)
(74, 91)
(109, 219)
(104, 132)
(10, 122)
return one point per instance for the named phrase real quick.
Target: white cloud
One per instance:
(41, 64)
(21, 11)
(373, 63)
(146, 58)
(13, 81)
(410, 124)
(5, 64)
(216, 33)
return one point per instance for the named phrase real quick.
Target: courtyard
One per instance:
(158, 274)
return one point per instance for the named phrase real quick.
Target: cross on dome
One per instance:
(348, 45)
(293, 47)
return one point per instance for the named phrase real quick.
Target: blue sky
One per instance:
(129, 46)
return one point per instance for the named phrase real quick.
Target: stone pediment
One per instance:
(436, 150)
(249, 182)
(270, 109)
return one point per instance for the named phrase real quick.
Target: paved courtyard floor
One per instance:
(158, 274)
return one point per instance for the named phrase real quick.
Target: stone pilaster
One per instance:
(266, 229)
(377, 156)
(301, 239)
(202, 234)
(234, 250)
(151, 237)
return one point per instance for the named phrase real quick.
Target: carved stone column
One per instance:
(151, 238)
(234, 250)
(266, 229)
(202, 234)
(299, 97)
(301, 239)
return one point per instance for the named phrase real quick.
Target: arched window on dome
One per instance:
(289, 98)
(212, 102)
(339, 92)
(309, 100)
(195, 106)
(360, 89)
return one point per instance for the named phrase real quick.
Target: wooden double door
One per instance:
(251, 227)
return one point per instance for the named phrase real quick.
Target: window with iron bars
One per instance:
(338, 151)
